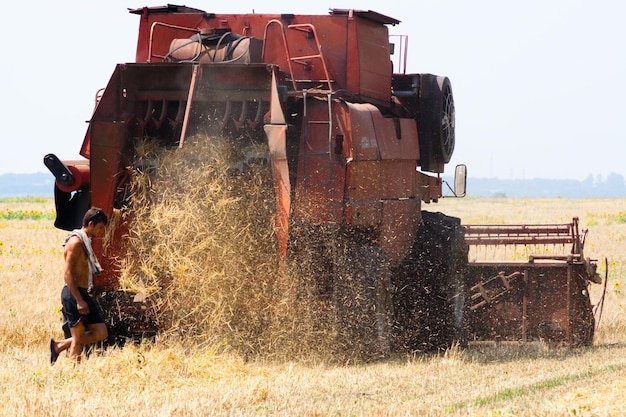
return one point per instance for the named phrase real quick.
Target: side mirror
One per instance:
(460, 181)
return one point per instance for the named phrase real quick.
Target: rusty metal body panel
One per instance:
(355, 43)
(328, 81)
(545, 298)
(539, 301)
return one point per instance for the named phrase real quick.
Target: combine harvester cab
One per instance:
(355, 146)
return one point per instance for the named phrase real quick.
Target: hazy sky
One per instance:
(539, 85)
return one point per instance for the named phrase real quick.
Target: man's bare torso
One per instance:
(76, 261)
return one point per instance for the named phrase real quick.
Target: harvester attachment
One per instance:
(545, 298)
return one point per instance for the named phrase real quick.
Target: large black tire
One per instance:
(429, 302)
(436, 122)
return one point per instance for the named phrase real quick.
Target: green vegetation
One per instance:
(7, 214)
(26, 208)
(22, 200)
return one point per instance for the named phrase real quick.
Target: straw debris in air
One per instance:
(203, 248)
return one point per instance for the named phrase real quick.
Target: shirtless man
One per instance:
(80, 312)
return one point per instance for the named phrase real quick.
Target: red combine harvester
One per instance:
(356, 145)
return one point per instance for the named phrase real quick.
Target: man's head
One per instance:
(95, 215)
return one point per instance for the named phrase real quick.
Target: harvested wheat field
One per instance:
(187, 372)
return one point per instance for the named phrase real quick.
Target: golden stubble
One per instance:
(176, 377)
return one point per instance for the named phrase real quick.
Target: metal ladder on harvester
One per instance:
(305, 60)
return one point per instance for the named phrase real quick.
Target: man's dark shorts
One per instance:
(70, 309)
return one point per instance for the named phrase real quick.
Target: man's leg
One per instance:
(82, 337)
(76, 347)
(61, 345)
(96, 332)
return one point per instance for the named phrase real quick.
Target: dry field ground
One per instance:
(171, 379)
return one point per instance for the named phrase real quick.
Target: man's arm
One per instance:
(74, 258)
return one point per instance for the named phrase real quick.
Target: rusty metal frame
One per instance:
(538, 298)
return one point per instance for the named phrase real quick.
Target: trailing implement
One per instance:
(544, 298)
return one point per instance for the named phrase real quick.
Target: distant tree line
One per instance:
(611, 186)
(42, 185)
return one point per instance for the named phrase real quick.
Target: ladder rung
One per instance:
(296, 58)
